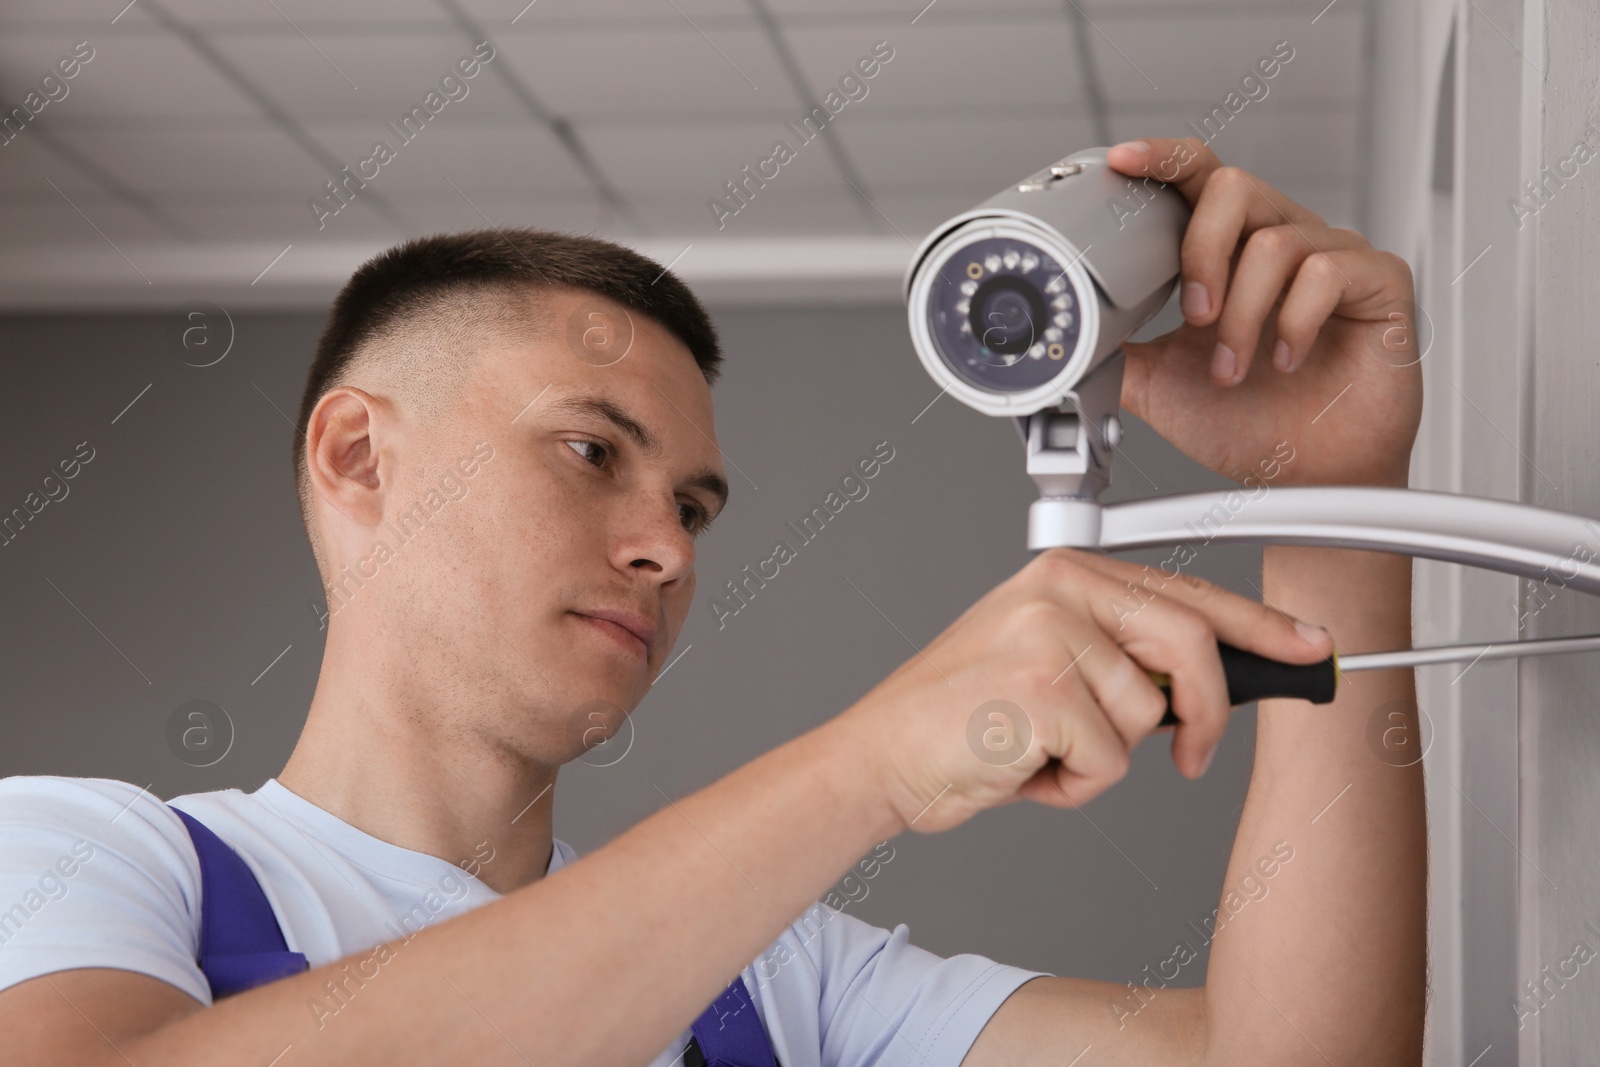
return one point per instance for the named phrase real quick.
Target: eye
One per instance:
(695, 518)
(699, 520)
(603, 449)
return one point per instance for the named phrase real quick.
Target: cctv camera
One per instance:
(1013, 303)
(1019, 308)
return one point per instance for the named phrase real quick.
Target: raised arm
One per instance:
(1295, 364)
(1330, 965)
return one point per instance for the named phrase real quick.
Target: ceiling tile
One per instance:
(1302, 152)
(906, 13)
(145, 75)
(246, 156)
(967, 152)
(1250, 135)
(814, 212)
(359, 219)
(1282, 148)
(493, 153)
(695, 160)
(938, 66)
(92, 218)
(89, 14)
(1157, 58)
(498, 15)
(296, 15)
(229, 214)
(978, 93)
(911, 212)
(916, 211)
(443, 210)
(26, 162)
(378, 76)
(672, 71)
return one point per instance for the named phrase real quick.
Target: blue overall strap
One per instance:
(730, 1034)
(241, 945)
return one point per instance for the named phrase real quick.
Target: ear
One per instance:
(342, 457)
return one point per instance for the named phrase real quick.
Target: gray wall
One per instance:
(1561, 752)
(1512, 383)
(176, 569)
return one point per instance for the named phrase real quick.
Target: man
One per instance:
(454, 673)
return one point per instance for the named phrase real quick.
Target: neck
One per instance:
(376, 753)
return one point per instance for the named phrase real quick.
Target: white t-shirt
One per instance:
(100, 873)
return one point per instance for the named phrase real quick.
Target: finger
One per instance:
(1088, 755)
(1350, 281)
(1122, 688)
(1188, 164)
(1250, 624)
(1206, 254)
(1184, 163)
(1271, 257)
(1163, 634)
(1176, 641)
(1233, 207)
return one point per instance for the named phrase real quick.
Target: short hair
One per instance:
(452, 290)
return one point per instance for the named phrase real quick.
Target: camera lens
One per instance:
(1007, 316)
(1003, 314)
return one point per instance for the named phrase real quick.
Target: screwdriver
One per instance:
(1252, 677)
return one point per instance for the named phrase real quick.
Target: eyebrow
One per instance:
(608, 410)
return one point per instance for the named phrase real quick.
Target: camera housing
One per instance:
(1019, 307)
(1012, 303)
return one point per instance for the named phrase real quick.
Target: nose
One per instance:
(654, 540)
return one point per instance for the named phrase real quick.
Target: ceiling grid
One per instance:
(190, 152)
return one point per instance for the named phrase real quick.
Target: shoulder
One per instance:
(60, 821)
(840, 945)
(95, 872)
(102, 807)
(23, 788)
(850, 976)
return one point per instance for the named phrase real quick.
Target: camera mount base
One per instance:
(1070, 448)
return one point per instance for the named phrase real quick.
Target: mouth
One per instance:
(629, 632)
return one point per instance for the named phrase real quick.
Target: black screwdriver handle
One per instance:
(1251, 677)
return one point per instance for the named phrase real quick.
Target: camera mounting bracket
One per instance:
(1070, 447)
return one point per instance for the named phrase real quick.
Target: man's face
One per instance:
(574, 516)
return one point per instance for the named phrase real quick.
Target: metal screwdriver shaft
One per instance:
(1419, 657)
(1252, 677)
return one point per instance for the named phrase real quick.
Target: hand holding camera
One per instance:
(1293, 330)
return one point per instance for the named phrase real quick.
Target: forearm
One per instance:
(1324, 960)
(603, 962)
